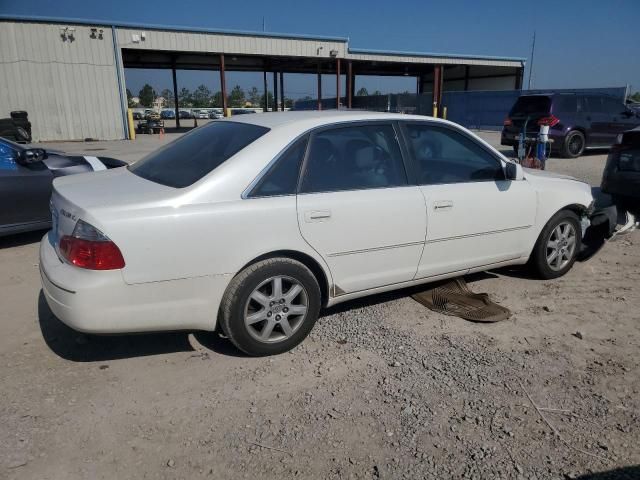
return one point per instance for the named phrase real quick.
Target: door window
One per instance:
(282, 178)
(443, 155)
(354, 158)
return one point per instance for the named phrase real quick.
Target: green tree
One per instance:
(184, 97)
(147, 95)
(288, 102)
(130, 102)
(202, 96)
(377, 92)
(269, 99)
(237, 98)
(216, 99)
(254, 97)
(363, 92)
(635, 97)
(168, 97)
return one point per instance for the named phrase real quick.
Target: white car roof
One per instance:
(314, 118)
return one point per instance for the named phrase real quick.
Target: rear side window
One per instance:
(443, 155)
(565, 104)
(354, 158)
(282, 177)
(192, 156)
(531, 105)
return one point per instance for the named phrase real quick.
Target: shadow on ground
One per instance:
(21, 239)
(78, 347)
(624, 473)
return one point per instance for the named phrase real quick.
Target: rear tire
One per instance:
(557, 246)
(270, 306)
(574, 144)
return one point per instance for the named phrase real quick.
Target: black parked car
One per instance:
(576, 121)
(621, 176)
(26, 176)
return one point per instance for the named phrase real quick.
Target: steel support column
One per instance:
(223, 86)
(437, 87)
(337, 84)
(265, 107)
(519, 75)
(281, 90)
(175, 93)
(349, 84)
(275, 91)
(319, 88)
(466, 78)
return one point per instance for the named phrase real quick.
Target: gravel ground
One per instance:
(382, 388)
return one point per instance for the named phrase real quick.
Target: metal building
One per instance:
(69, 73)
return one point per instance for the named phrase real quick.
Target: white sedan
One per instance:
(254, 224)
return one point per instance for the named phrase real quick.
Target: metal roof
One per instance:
(186, 29)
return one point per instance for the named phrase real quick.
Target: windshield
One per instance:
(531, 105)
(192, 156)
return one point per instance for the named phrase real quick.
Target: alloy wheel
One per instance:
(276, 309)
(561, 246)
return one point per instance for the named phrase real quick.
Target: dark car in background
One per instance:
(621, 176)
(185, 114)
(576, 121)
(26, 178)
(168, 114)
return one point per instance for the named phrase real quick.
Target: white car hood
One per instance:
(548, 174)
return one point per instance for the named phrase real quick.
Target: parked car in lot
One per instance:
(576, 121)
(168, 114)
(152, 123)
(621, 176)
(213, 115)
(185, 114)
(137, 115)
(254, 223)
(26, 177)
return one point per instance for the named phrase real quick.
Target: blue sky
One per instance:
(588, 43)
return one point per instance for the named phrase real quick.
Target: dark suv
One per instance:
(576, 121)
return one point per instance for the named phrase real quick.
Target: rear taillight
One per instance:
(507, 122)
(550, 121)
(87, 247)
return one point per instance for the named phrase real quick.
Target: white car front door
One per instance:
(357, 209)
(475, 217)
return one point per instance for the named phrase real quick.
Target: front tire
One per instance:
(574, 144)
(557, 246)
(270, 306)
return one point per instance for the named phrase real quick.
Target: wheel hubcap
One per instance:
(276, 309)
(575, 145)
(561, 246)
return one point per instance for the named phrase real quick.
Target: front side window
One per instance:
(282, 177)
(443, 155)
(354, 158)
(192, 156)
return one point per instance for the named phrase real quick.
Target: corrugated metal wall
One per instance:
(228, 43)
(69, 88)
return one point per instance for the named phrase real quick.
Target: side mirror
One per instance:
(627, 114)
(513, 171)
(31, 156)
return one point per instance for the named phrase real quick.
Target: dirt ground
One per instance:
(382, 388)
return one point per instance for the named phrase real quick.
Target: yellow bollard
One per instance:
(228, 112)
(435, 111)
(132, 128)
(444, 112)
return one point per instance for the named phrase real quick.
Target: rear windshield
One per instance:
(531, 105)
(195, 154)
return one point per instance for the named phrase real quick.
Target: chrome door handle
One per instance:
(316, 215)
(443, 205)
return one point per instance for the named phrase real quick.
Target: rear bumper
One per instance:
(101, 302)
